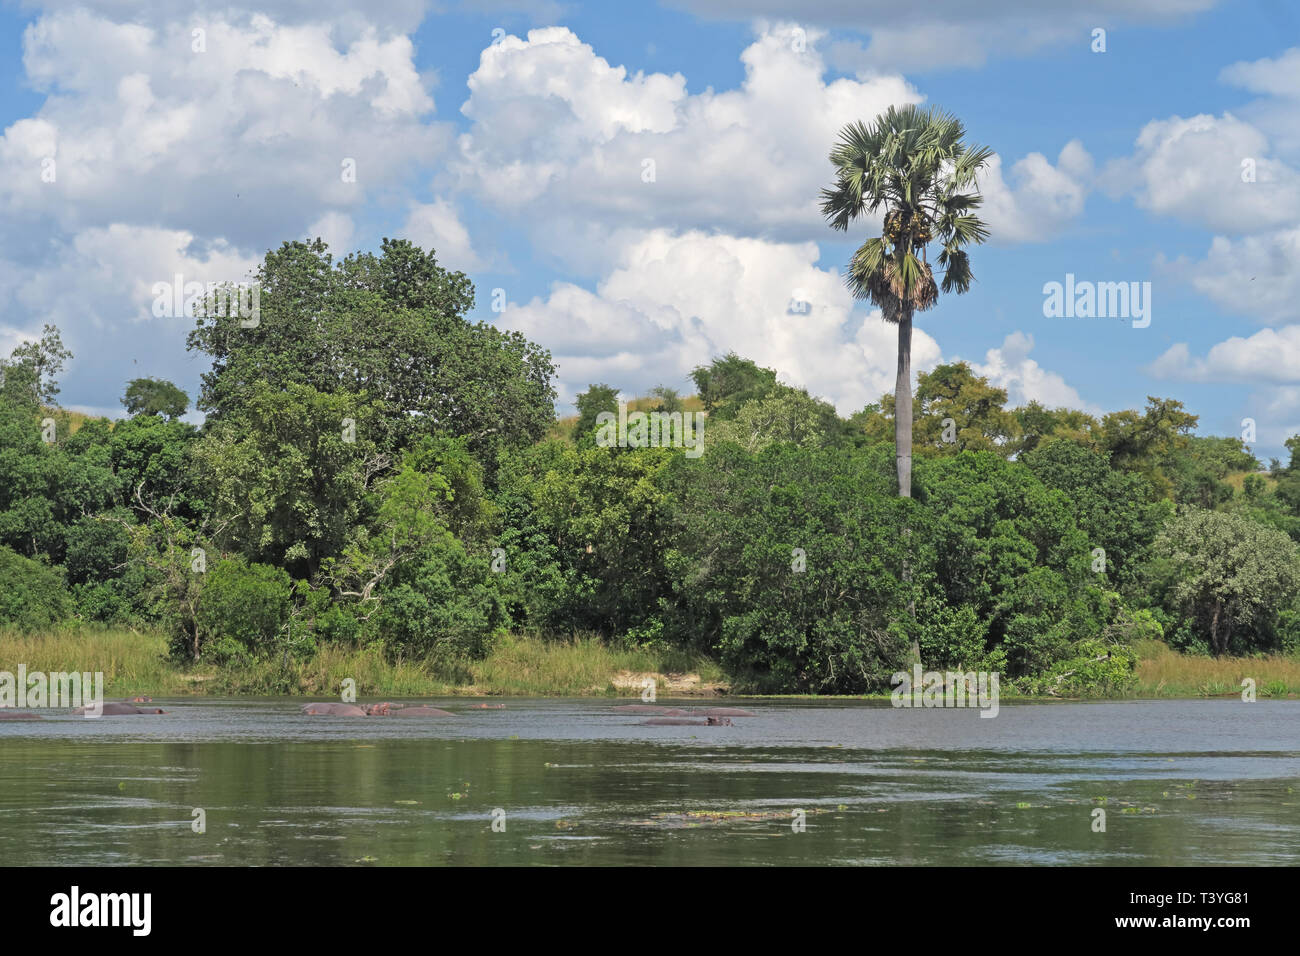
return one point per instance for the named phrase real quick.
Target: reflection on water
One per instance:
(578, 782)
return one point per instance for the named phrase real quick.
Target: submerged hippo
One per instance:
(487, 707)
(333, 710)
(142, 700)
(11, 715)
(686, 722)
(421, 712)
(724, 712)
(117, 708)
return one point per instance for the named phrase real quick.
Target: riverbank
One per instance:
(521, 666)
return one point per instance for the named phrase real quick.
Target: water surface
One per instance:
(578, 782)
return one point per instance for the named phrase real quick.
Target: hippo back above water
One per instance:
(114, 708)
(332, 710)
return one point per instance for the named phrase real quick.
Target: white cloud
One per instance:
(1192, 169)
(1278, 76)
(943, 34)
(675, 301)
(245, 139)
(1256, 277)
(98, 289)
(1010, 367)
(1041, 197)
(565, 138)
(437, 226)
(1270, 355)
(336, 229)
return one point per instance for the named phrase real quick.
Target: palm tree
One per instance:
(913, 162)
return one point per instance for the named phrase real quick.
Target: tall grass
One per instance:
(1164, 672)
(517, 665)
(578, 666)
(135, 663)
(131, 662)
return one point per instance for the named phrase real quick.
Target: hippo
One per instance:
(333, 710)
(686, 722)
(641, 709)
(421, 712)
(11, 715)
(380, 710)
(724, 712)
(487, 707)
(116, 708)
(141, 700)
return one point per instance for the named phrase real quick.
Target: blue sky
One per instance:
(514, 138)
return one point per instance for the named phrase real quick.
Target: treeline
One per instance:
(376, 470)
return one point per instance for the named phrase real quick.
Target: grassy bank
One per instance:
(136, 663)
(1163, 672)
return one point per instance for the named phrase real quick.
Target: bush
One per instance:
(242, 609)
(33, 595)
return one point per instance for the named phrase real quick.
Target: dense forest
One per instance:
(375, 469)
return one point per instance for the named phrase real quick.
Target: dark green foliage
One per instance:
(33, 595)
(392, 327)
(829, 617)
(154, 396)
(243, 610)
(728, 382)
(596, 399)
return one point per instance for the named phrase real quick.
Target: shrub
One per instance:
(33, 595)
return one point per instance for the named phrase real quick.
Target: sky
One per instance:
(635, 186)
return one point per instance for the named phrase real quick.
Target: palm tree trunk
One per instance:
(903, 405)
(903, 445)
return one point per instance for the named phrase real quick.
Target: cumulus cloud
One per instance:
(562, 135)
(675, 301)
(1040, 198)
(1277, 76)
(437, 226)
(1195, 170)
(1010, 367)
(1270, 355)
(98, 288)
(244, 139)
(1256, 277)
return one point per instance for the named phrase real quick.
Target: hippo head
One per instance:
(378, 710)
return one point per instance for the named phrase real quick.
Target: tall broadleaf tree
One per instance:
(912, 163)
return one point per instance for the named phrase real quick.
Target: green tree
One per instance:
(33, 367)
(956, 410)
(1036, 423)
(1146, 441)
(728, 382)
(34, 595)
(242, 610)
(1116, 510)
(912, 163)
(392, 326)
(287, 475)
(788, 564)
(784, 414)
(591, 403)
(155, 396)
(1230, 577)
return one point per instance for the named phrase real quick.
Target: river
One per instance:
(577, 782)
